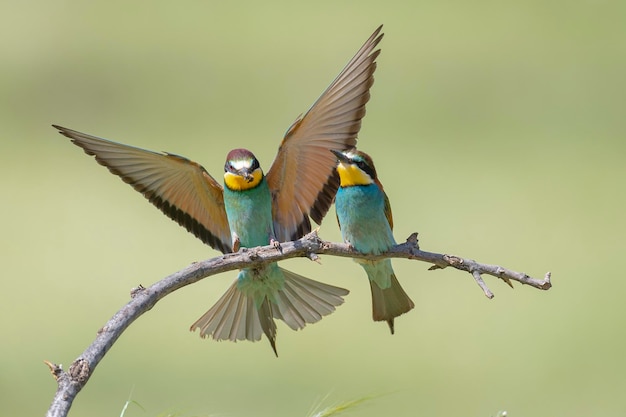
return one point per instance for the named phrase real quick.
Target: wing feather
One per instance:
(388, 213)
(303, 179)
(180, 188)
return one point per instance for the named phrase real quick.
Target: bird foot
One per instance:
(276, 245)
(236, 242)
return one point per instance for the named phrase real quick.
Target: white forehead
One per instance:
(241, 164)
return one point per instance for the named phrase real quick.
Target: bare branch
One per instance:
(479, 280)
(143, 299)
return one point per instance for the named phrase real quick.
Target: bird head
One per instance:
(242, 170)
(355, 168)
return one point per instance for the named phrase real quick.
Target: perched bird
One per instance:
(254, 209)
(366, 223)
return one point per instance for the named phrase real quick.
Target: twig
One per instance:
(143, 299)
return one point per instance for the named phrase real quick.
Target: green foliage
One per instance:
(340, 407)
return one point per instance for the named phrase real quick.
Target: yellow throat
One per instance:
(352, 175)
(238, 183)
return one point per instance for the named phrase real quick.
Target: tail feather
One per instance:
(266, 318)
(390, 302)
(236, 315)
(303, 300)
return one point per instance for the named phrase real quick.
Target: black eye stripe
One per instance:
(363, 166)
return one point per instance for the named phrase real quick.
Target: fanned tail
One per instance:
(388, 297)
(303, 300)
(298, 301)
(234, 317)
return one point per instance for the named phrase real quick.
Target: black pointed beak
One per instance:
(247, 176)
(340, 156)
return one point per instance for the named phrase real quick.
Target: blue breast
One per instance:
(361, 215)
(249, 214)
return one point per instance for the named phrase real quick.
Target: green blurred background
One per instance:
(498, 129)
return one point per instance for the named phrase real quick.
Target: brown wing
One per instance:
(388, 213)
(180, 188)
(303, 179)
(387, 207)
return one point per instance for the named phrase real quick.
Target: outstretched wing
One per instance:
(303, 179)
(180, 188)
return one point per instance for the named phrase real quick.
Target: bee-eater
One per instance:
(254, 209)
(366, 224)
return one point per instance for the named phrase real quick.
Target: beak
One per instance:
(247, 176)
(341, 156)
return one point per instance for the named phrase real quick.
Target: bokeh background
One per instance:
(498, 129)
